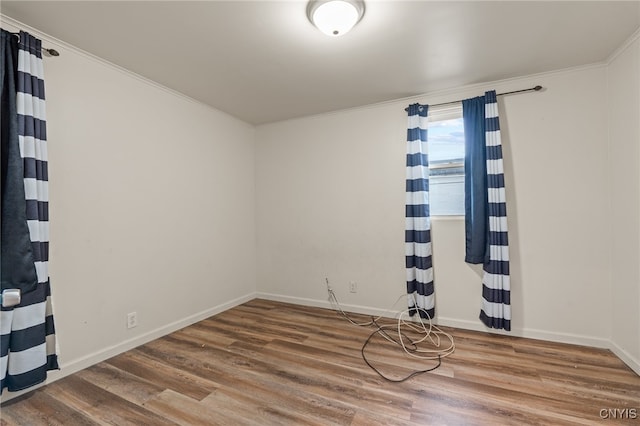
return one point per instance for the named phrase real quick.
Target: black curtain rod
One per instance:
(52, 52)
(532, 89)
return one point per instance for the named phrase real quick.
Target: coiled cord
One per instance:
(427, 346)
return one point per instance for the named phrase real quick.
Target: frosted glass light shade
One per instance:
(335, 17)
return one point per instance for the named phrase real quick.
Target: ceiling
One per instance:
(263, 61)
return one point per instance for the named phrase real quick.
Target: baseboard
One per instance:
(574, 339)
(529, 333)
(76, 365)
(365, 310)
(106, 353)
(626, 357)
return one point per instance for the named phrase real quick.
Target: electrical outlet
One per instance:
(353, 286)
(132, 319)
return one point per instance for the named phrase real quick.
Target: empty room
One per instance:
(320, 212)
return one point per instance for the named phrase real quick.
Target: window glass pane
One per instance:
(446, 165)
(446, 141)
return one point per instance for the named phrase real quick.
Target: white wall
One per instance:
(152, 208)
(623, 78)
(154, 195)
(330, 200)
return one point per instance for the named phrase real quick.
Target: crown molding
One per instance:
(63, 46)
(623, 47)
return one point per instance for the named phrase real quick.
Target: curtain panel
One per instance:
(486, 231)
(27, 333)
(418, 259)
(475, 182)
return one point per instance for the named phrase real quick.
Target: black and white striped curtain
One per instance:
(486, 207)
(27, 335)
(418, 258)
(496, 288)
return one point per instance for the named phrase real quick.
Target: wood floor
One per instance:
(270, 363)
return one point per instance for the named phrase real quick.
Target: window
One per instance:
(446, 161)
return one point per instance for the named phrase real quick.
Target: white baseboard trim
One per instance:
(365, 310)
(529, 333)
(76, 365)
(108, 352)
(574, 339)
(626, 357)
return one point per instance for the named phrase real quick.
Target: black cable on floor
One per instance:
(413, 374)
(400, 338)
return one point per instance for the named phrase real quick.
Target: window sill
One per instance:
(443, 218)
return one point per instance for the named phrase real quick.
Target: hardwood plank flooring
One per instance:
(271, 363)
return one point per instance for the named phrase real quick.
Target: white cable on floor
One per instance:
(428, 332)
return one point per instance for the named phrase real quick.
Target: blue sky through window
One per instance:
(446, 140)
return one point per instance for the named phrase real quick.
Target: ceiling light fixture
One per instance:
(335, 17)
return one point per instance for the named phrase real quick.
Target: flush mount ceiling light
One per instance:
(335, 17)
